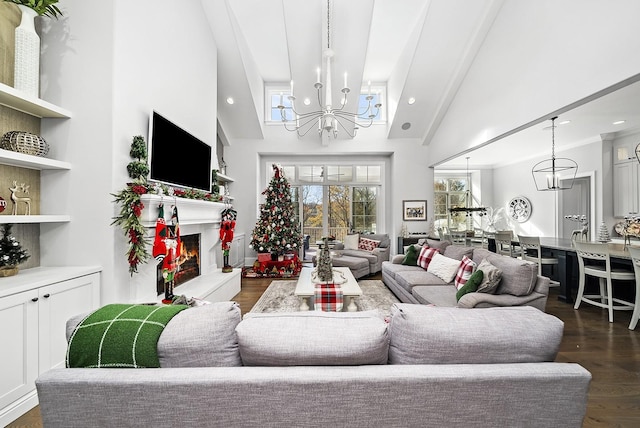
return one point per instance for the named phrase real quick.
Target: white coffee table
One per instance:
(305, 289)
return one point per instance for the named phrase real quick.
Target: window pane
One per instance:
(289, 172)
(312, 212)
(310, 174)
(457, 184)
(368, 174)
(339, 211)
(440, 185)
(340, 173)
(276, 100)
(364, 209)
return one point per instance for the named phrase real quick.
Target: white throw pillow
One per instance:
(443, 267)
(351, 242)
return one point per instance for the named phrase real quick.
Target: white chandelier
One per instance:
(328, 118)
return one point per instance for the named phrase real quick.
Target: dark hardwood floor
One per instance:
(611, 352)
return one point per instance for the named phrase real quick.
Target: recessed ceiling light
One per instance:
(307, 101)
(406, 125)
(619, 122)
(411, 100)
(229, 100)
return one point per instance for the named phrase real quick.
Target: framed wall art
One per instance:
(414, 210)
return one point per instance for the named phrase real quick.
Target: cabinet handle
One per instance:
(46, 296)
(35, 299)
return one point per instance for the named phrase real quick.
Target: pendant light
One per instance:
(548, 173)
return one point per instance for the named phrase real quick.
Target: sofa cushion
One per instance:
(391, 269)
(408, 279)
(491, 277)
(202, 336)
(426, 255)
(351, 242)
(439, 245)
(411, 258)
(443, 267)
(434, 335)
(465, 269)
(518, 276)
(479, 254)
(471, 285)
(458, 252)
(313, 338)
(436, 295)
(367, 244)
(385, 242)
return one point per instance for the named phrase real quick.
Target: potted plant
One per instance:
(41, 7)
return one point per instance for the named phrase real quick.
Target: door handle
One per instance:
(35, 299)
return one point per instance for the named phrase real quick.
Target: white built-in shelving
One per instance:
(19, 101)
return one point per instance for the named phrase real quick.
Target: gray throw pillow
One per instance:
(491, 277)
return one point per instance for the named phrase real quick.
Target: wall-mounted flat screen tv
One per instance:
(176, 157)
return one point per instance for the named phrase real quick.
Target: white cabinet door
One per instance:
(58, 303)
(19, 356)
(625, 188)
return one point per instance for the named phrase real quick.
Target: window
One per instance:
(274, 96)
(335, 199)
(450, 192)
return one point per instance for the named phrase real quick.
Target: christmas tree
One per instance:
(277, 230)
(11, 253)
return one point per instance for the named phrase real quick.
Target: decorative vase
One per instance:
(8, 271)
(26, 77)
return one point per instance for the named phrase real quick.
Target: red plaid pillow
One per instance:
(328, 297)
(426, 254)
(368, 244)
(466, 269)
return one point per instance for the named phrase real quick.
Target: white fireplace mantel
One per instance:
(190, 211)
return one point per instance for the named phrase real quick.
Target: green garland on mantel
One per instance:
(131, 205)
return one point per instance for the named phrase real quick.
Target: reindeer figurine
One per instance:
(15, 198)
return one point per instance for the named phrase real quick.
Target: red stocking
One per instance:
(159, 247)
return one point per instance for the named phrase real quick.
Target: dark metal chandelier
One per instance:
(547, 173)
(328, 118)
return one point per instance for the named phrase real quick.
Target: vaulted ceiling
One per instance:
(420, 49)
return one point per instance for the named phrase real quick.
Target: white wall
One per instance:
(516, 179)
(110, 68)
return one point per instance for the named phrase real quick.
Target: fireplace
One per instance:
(188, 263)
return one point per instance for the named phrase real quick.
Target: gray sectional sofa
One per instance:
(520, 284)
(425, 366)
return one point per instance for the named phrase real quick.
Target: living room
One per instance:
(110, 67)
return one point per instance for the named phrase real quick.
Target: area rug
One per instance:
(279, 297)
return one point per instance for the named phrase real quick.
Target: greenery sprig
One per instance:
(41, 7)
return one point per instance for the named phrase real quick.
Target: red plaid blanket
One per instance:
(328, 297)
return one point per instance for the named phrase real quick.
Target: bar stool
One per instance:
(634, 252)
(590, 258)
(531, 251)
(503, 240)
